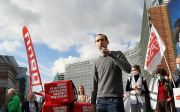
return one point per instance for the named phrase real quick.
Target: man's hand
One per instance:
(105, 51)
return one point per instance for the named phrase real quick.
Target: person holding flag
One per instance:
(164, 92)
(176, 78)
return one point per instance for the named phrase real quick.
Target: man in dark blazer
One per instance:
(30, 105)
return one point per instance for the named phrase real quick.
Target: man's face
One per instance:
(101, 42)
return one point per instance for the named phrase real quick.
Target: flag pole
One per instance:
(169, 70)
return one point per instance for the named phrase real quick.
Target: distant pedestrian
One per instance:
(30, 105)
(165, 94)
(14, 104)
(81, 95)
(138, 90)
(176, 78)
(107, 78)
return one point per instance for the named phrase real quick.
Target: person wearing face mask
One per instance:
(164, 94)
(137, 88)
(176, 78)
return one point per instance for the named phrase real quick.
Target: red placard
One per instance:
(82, 107)
(178, 97)
(60, 92)
(55, 108)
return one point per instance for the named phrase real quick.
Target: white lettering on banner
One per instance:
(27, 36)
(60, 109)
(34, 71)
(153, 49)
(86, 109)
(33, 65)
(30, 51)
(60, 91)
(35, 78)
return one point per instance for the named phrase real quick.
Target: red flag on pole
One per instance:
(35, 78)
(155, 51)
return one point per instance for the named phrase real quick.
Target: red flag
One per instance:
(35, 78)
(155, 51)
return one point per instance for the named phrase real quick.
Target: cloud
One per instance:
(61, 24)
(13, 18)
(19, 14)
(59, 65)
(9, 46)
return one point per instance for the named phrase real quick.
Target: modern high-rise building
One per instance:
(81, 74)
(160, 19)
(173, 9)
(59, 76)
(23, 83)
(152, 3)
(158, 15)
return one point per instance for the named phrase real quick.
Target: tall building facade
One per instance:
(158, 15)
(59, 76)
(10, 78)
(23, 83)
(81, 74)
(173, 8)
(160, 19)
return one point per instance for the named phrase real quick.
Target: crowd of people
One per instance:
(107, 93)
(15, 105)
(107, 90)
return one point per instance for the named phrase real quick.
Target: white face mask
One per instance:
(178, 66)
(135, 72)
(166, 78)
(161, 78)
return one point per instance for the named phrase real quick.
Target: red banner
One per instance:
(35, 78)
(155, 51)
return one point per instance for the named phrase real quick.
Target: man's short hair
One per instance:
(103, 35)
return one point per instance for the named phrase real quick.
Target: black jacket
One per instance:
(25, 106)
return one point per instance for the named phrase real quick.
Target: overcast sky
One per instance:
(63, 31)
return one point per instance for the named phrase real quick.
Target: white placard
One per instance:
(177, 96)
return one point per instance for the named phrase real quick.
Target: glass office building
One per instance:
(158, 15)
(174, 8)
(59, 76)
(81, 74)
